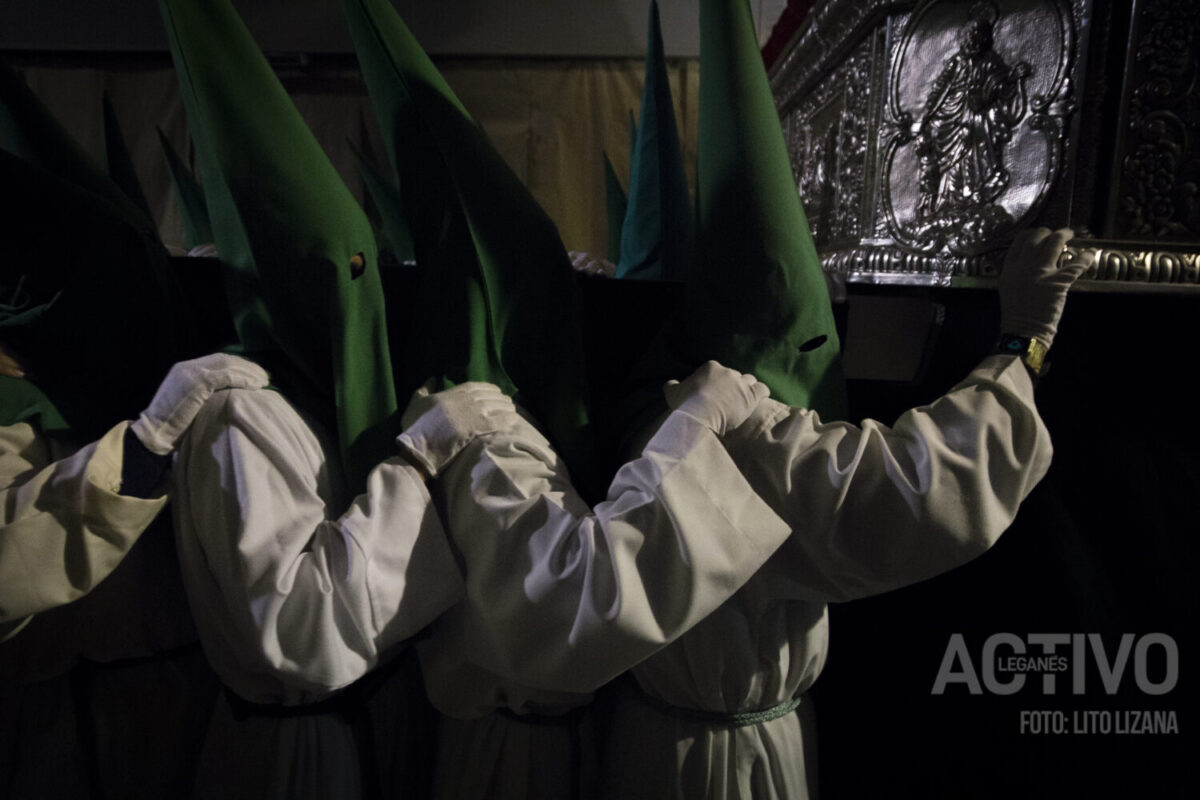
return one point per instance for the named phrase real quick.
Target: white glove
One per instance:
(203, 251)
(1033, 287)
(716, 396)
(438, 425)
(185, 389)
(589, 265)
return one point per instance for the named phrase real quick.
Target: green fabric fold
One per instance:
(189, 196)
(298, 254)
(29, 130)
(21, 401)
(88, 299)
(498, 300)
(120, 163)
(755, 299)
(393, 232)
(657, 237)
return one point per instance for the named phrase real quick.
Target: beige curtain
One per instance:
(551, 120)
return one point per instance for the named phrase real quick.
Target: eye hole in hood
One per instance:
(358, 265)
(813, 343)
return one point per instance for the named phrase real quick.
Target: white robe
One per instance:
(873, 508)
(102, 692)
(297, 590)
(560, 598)
(64, 526)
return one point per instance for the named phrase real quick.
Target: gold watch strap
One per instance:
(1031, 350)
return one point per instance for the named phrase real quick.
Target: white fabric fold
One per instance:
(873, 509)
(298, 592)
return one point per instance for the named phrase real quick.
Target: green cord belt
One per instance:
(725, 719)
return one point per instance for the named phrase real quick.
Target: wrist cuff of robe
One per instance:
(141, 470)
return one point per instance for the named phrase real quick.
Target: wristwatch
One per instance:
(1031, 351)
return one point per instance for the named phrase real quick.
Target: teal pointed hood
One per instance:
(657, 238)
(299, 257)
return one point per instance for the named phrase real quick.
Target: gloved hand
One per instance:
(1033, 288)
(438, 425)
(589, 265)
(185, 389)
(716, 396)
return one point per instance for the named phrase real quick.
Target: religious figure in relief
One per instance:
(972, 109)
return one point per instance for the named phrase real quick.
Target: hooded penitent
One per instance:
(755, 299)
(498, 300)
(87, 300)
(197, 229)
(299, 257)
(87, 297)
(656, 237)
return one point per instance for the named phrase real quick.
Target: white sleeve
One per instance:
(64, 526)
(876, 508)
(561, 597)
(296, 590)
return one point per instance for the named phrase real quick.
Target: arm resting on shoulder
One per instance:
(874, 507)
(307, 594)
(563, 597)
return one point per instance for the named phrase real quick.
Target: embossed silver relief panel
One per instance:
(1158, 196)
(956, 156)
(828, 141)
(830, 26)
(978, 95)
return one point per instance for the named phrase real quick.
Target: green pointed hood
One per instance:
(120, 163)
(616, 203)
(87, 296)
(289, 232)
(756, 300)
(657, 236)
(189, 196)
(498, 300)
(29, 130)
(393, 229)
